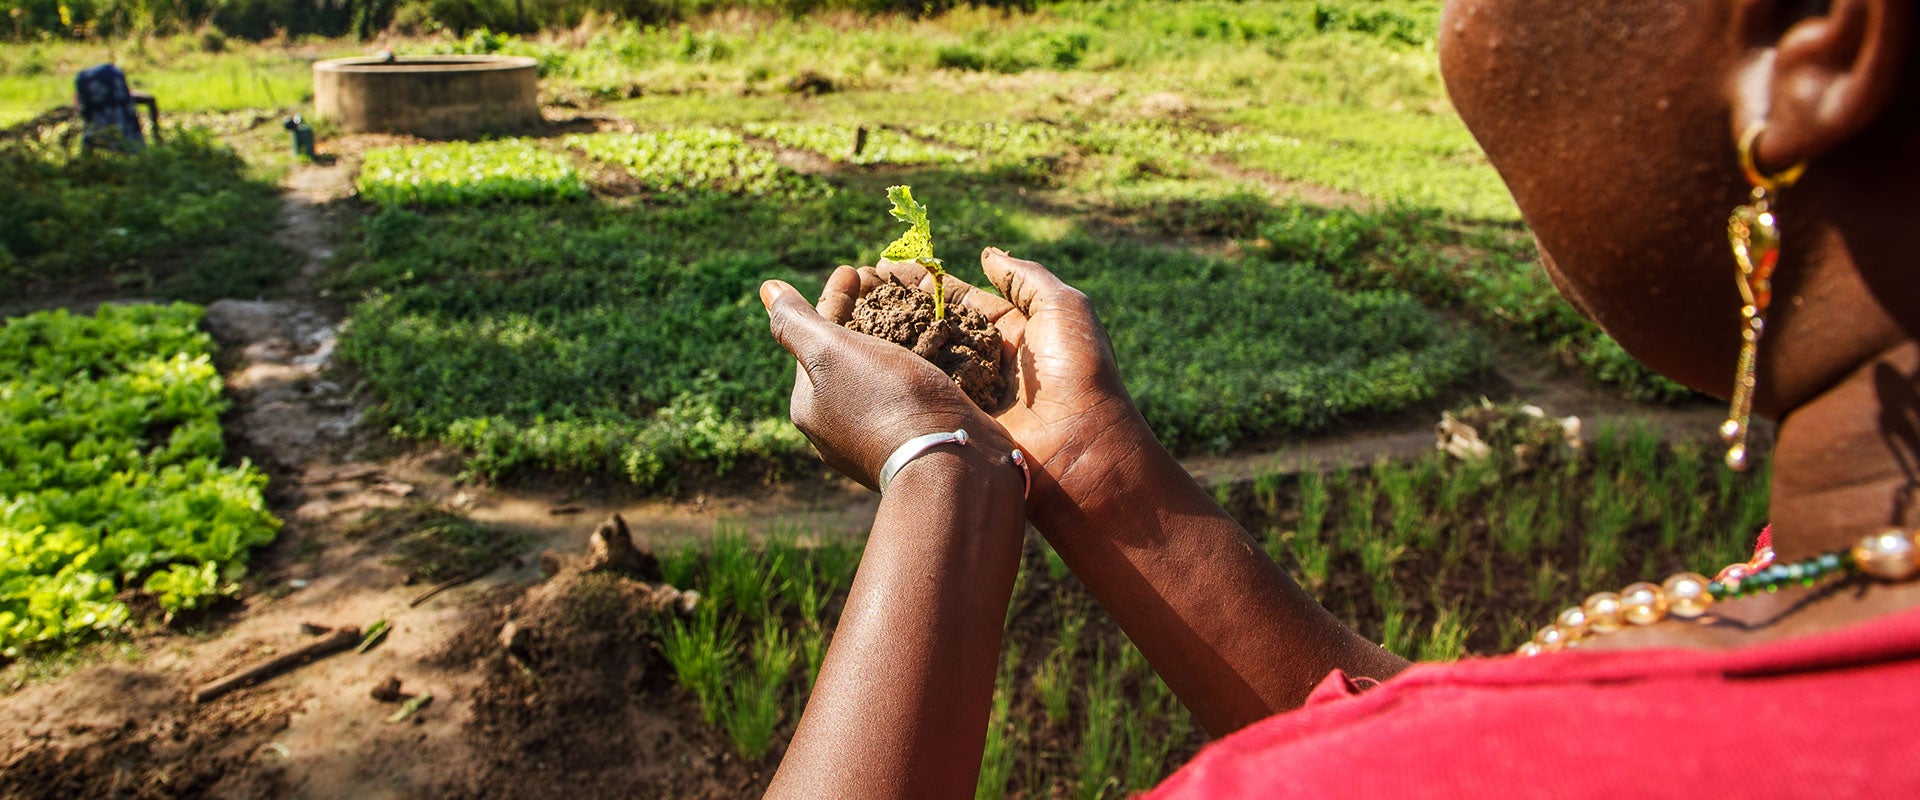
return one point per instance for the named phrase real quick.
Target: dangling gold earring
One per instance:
(1755, 235)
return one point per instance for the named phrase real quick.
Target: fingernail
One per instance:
(769, 292)
(994, 252)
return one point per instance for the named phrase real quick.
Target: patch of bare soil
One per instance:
(117, 732)
(1297, 190)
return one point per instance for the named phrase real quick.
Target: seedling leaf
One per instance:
(375, 634)
(916, 244)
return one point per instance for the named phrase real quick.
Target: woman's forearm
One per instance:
(1232, 635)
(901, 706)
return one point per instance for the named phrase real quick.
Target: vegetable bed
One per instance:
(111, 473)
(468, 174)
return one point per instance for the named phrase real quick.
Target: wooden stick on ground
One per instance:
(441, 587)
(332, 642)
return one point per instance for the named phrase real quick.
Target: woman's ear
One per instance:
(1817, 72)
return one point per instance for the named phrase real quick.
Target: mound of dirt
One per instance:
(576, 700)
(964, 345)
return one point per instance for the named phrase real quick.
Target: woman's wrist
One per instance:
(979, 471)
(960, 509)
(1098, 475)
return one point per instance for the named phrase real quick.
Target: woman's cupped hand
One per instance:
(857, 397)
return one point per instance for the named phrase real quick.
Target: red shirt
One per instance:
(1831, 715)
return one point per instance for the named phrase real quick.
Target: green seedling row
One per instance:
(468, 174)
(181, 219)
(882, 146)
(693, 159)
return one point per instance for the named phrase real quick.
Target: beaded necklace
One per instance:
(1889, 556)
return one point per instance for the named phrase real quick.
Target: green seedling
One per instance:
(1312, 556)
(1546, 583)
(996, 764)
(376, 633)
(1266, 491)
(411, 707)
(1053, 681)
(1448, 641)
(916, 244)
(756, 696)
(1314, 502)
(1099, 746)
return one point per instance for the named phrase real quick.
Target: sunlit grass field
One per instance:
(176, 70)
(1122, 142)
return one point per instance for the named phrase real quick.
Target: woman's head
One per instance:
(1614, 124)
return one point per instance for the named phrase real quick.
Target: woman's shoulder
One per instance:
(1828, 715)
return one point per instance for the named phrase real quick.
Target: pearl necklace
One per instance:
(1889, 556)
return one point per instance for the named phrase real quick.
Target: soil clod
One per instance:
(611, 548)
(388, 691)
(964, 345)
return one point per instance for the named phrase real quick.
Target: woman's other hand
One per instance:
(1145, 539)
(857, 397)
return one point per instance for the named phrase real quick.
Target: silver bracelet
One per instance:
(918, 445)
(913, 448)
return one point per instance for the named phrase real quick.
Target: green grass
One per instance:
(1490, 273)
(1508, 548)
(1416, 159)
(1078, 712)
(1096, 764)
(1209, 362)
(187, 219)
(180, 71)
(737, 654)
(572, 340)
(590, 337)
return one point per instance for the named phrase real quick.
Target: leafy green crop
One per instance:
(916, 244)
(681, 159)
(468, 174)
(583, 337)
(110, 472)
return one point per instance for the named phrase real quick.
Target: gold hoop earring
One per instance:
(1754, 233)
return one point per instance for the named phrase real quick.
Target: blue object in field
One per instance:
(302, 137)
(106, 104)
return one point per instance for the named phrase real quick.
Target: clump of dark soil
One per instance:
(577, 701)
(964, 345)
